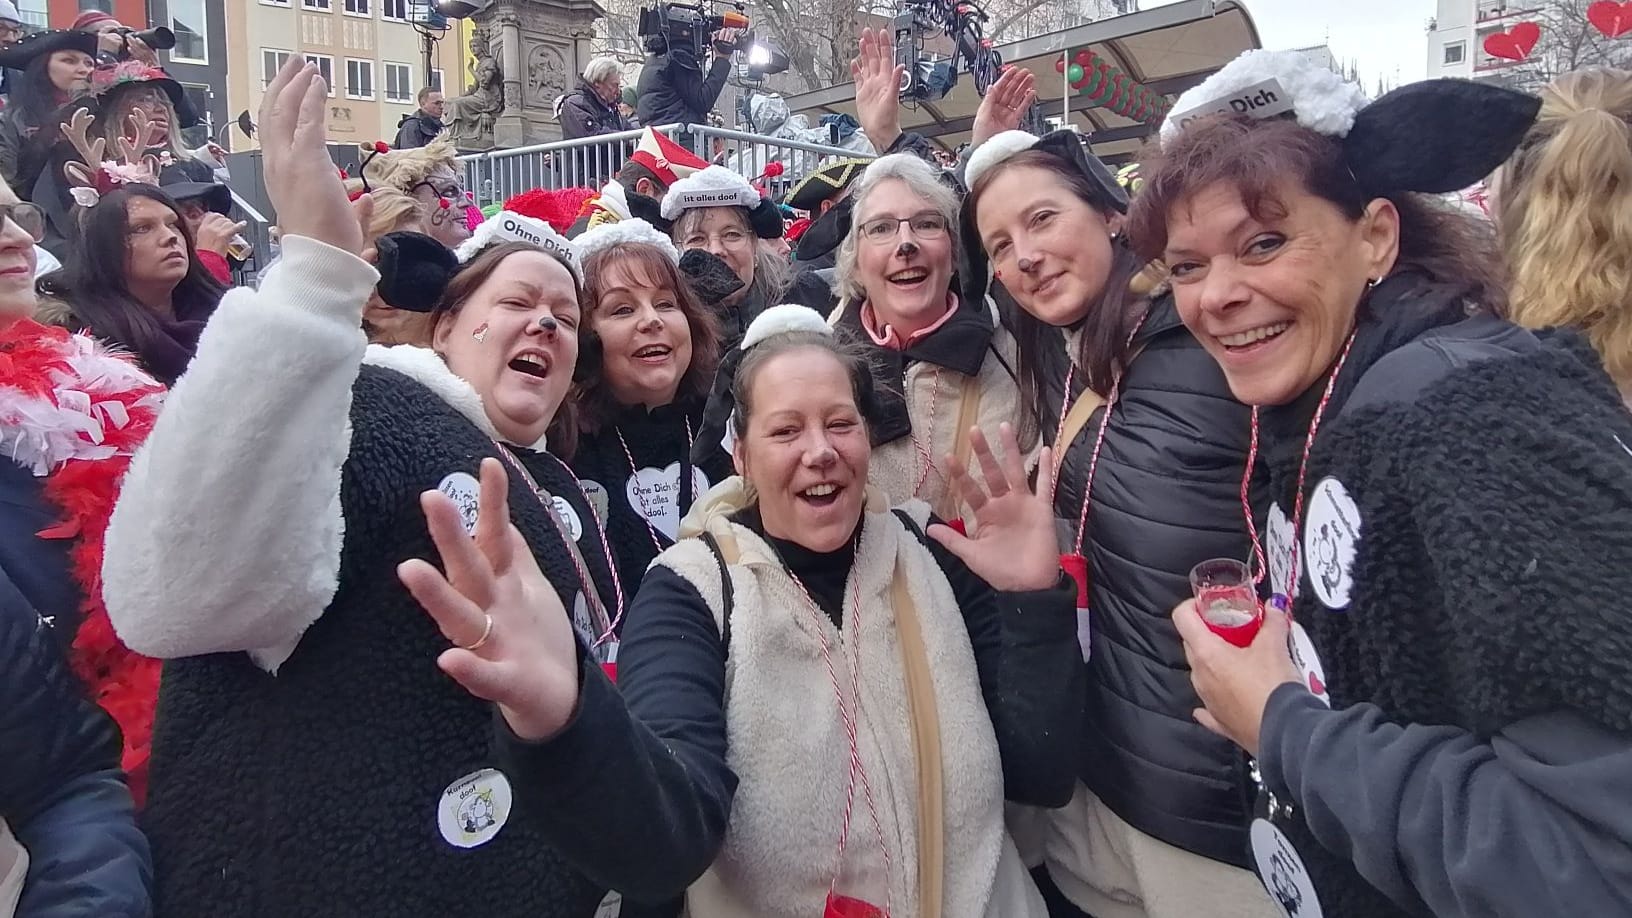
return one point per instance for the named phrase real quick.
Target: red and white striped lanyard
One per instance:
(1303, 470)
(1099, 435)
(926, 454)
(585, 581)
(849, 716)
(645, 511)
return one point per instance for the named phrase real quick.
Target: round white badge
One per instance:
(1308, 662)
(1330, 537)
(462, 489)
(1282, 871)
(599, 500)
(575, 526)
(474, 808)
(1278, 541)
(581, 619)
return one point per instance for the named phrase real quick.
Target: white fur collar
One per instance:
(425, 366)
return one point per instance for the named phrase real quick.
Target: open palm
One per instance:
(1015, 547)
(878, 87)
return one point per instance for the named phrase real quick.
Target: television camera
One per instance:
(692, 25)
(929, 77)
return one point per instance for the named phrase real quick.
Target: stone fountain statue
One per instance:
(471, 116)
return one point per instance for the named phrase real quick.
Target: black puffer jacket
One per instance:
(61, 792)
(1166, 495)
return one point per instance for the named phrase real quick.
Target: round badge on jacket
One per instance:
(462, 488)
(1282, 872)
(575, 526)
(1278, 542)
(474, 808)
(1330, 537)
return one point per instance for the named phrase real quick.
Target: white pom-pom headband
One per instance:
(715, 186)
(780, 320)
(1265, 84)
(505, 226)
(607, 235)
(995, 151)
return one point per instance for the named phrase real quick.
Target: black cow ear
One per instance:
(1437, 136)
(414, 271)
(1069, 146)
(709, 276)
(766, 219)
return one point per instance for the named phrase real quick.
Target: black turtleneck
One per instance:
(824, 573)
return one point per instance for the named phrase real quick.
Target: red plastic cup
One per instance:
(1226, 600)
(848, 907)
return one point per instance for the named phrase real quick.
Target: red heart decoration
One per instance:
(1315, 685)
(1611, 18)
(1515, 44)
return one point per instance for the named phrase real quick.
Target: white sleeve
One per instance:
(228, 529)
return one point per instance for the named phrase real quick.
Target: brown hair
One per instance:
(1255, 157)
(1106, 328)
(647, 265)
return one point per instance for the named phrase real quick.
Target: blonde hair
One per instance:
(393, 209)
(1564, 208)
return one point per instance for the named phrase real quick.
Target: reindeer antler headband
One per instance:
(96, 175)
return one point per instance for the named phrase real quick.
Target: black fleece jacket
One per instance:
(1468, 524)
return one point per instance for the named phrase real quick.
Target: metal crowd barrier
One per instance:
(590, 162)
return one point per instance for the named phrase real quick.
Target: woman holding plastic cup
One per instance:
(1451, 731)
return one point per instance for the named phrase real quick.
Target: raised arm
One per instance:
(228, 530)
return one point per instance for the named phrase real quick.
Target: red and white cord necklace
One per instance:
(1099, 434)
(926, 454)
(645, 511)
(1303, 471)
(849, 716)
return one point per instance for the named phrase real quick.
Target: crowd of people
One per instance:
(667, 548)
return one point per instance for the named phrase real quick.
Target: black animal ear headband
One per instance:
(774, 321)
(415, 269)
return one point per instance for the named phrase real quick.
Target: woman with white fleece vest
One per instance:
(822, 704)
(306, 760)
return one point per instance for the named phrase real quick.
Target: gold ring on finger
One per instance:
(487, 632)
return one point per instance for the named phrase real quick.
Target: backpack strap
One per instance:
(726, 590)
(926, 735)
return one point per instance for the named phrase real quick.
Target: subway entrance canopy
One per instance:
(1167, 49)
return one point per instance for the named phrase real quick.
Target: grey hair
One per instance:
(772, 276)
(923, 180)
(599, 68)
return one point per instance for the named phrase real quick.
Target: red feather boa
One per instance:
(40, 362)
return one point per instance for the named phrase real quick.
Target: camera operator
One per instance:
(115, 39)
(672, 88)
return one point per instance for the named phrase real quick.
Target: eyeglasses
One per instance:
(29, 219)
(10, 31)
(730, 239)
(924, 225)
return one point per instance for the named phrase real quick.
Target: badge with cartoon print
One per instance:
(1330, 537)
(462, 488)
(569, 516)
(473, 809)
(1282, 872)
(1278, 542)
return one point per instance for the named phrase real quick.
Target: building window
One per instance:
(325, 69)
(100, 6)
(272, 60)
(399, 82)
(188, 21)
(357, 7)
(1454, 52)
(315, 4)
(359, 79)
(34, 13)
(394, 9)
(436, 79)
(282, 3)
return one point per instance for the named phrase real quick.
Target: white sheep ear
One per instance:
(778, 320)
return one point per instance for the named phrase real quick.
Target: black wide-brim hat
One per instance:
(824, 183)
(50, 41)
(127, 73)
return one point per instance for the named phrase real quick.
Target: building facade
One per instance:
(368, 50)
(1456, 36)
(199, 62)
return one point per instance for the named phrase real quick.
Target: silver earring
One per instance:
(1372, 282)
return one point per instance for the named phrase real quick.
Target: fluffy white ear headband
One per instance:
(505, 226)
(715, 186)
(608, 235)
(995, 151)
(778, 320)
(1269, 83)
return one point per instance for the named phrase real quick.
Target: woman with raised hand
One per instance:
(308, 762)
(820, 705)
(1151, 447)
(1563, 204)
(1451, 731)
(646, 364)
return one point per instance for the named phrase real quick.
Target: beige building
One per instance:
(371, 55)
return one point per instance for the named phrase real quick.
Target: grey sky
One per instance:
(1387, 37)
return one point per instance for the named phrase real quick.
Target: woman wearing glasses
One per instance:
(946, 356)
(717, 211)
